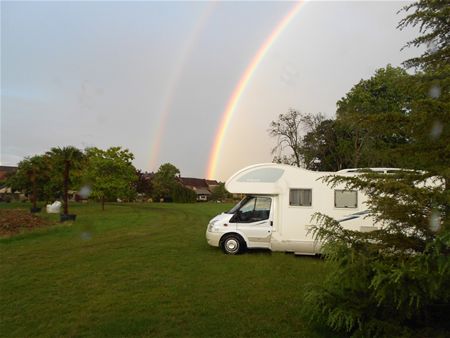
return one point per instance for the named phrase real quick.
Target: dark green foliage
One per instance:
(433, 19)
(394, 280)
(165, 181)
(373, 119)
(167, 187)
(375, 114)
(389, 90)
(392, 117)
(328, 147)
(144, 184)
(429, 120)
(32, 177)
(431, 114)
(181, 194)
(219, 193)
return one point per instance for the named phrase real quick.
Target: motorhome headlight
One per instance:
(211, 225)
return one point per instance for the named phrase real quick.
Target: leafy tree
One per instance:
(167, 186)
(328, 147)
(220, 193)
(66, 163)
(372, 120)
(375, 114)
(165, 181)
(289, 130)
(110, 173)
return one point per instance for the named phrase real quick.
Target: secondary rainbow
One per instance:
(174, 79)
(241, 86)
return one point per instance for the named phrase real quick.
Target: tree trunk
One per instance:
(66, 188)
(358, 147)
(103, 203)
(297, 159)
(34, 191)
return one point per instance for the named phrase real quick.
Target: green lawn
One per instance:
(146, 270)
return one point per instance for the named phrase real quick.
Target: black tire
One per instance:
(233, 245)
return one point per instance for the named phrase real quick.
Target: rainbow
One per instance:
(241, 86)
(163, 114)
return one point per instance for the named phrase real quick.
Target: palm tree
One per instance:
(35, 170)
(65, 159)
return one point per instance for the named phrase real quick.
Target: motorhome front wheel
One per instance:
(232, 245)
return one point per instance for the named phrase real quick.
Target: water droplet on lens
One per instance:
(435, 91)
(86, 236)
(435, 221)
(436, 130)
(85, 191)
(289, 75)
(432, 46)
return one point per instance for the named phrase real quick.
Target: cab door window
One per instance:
(254, 210)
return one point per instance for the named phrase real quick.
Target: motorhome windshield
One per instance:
(237, 206)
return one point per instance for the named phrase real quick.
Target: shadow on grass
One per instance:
(262, 252)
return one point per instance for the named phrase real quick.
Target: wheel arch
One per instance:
(233, 233)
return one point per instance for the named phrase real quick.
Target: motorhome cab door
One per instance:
(254, 219)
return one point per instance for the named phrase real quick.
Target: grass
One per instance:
(146, 270)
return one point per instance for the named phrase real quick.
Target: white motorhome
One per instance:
(277, 211)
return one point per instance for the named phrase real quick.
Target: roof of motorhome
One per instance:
(274, 178)
(269, 178)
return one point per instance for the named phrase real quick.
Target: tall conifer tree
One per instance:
(396, 281)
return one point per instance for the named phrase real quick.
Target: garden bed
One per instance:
(15, 221)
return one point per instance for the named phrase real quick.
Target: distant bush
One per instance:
(181, 194)
(219, 193)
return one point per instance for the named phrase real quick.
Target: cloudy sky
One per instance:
(156, 77)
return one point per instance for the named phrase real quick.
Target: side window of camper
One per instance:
(300, 197)
(345, 199)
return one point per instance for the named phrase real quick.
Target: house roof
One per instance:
(4, 170)
(148, 176)
(202, 191)
(212, 182)
(194, 182)
(7, 168)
